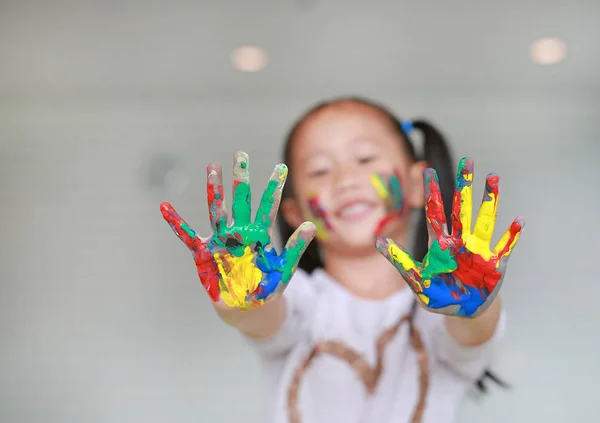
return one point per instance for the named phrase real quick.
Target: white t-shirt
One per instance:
(321, 365)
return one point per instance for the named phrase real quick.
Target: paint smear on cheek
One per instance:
(319, 216)
(390, 191)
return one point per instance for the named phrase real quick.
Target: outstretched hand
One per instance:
(460, 275)
(237, 264)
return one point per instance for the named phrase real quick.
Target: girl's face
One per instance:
(352, 177)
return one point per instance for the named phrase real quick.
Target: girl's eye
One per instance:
(318, 172)
(366, 159)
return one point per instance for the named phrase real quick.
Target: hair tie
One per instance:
(407, 126)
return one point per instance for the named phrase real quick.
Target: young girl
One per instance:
(346, 341)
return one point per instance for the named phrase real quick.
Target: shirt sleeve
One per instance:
(299, 299)
(468, 362)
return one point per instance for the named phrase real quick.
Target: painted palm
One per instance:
(460, 275)
(237, 264)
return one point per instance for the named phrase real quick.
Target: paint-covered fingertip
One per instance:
(241, 164)
(430, 174)
(520, 220)
(213, 170)
(465, 166)
(308, 229)
(281, 170)
(492, 179)
(240, 155)
(382, 243)
(308, 225)
(165, 207)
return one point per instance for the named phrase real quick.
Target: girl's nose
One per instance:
(347, 177)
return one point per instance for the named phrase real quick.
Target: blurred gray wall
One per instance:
(102, 318)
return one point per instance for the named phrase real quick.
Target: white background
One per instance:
(102, 318)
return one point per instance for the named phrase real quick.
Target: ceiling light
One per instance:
(548, 51)
(249, 59)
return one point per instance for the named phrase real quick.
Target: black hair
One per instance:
(435, 153)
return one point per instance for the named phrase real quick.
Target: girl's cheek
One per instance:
(319, 215)
(389, 189)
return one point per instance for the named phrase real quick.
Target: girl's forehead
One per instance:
(344, 119)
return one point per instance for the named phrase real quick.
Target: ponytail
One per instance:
(437, 155)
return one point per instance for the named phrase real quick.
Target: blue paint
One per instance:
(272, 265)
(441, 291)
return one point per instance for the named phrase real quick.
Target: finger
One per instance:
(242, 200)
(462, 207)
(217, 209)
(269, 203)
(396, 255)
(294, 248)
(180, 227)
(208, 271)
(434, 206)
(404, 263)
(509, 238)
(486, 218)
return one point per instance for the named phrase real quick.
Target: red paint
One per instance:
(318, 211)
(457, 228)
(208, 270)
(413, 278)
(455, 295)
(435, 209)
(385, 221)
(475, 272)
(215, 201)
(494, 185)
(515, 229)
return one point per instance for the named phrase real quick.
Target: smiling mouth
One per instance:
(356, 210)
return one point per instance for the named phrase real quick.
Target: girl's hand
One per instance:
(460, 275)
(237, 264)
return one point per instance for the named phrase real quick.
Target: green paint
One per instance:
(438, 261)
(292, 257)
(242, 203)
(242, 226)
(396, 192)
(266, 204)
(243, 165)
(189, 230)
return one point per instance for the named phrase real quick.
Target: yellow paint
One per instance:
(424, 298)
(466, 204)
(407, 263)
(239, 277)
(283, 173)
(503, 242)
(379, 186)
(478, 241)
(321, 232)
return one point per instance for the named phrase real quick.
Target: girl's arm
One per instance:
(259, 323)
(476, 331)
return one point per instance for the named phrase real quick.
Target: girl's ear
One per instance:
(291, 212)
(416, 191)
